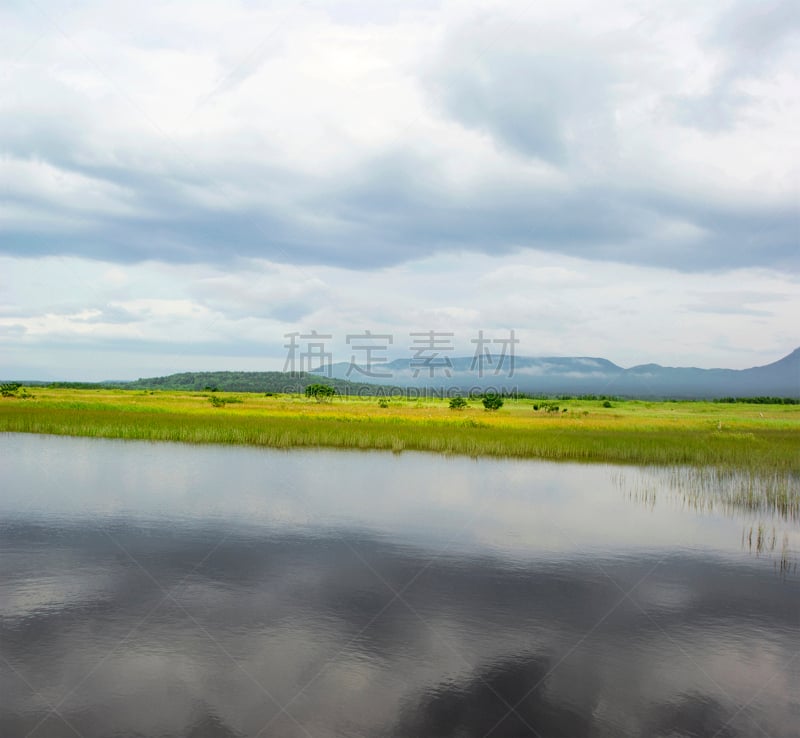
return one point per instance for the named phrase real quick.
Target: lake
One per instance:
(172, 590)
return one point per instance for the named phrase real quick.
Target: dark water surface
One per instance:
(169, 590)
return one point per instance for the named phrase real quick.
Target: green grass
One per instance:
(765, 438)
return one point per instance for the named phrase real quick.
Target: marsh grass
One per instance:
(768, 500)
(701, 435)
(758, 492)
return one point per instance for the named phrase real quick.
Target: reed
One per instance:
(663, 434)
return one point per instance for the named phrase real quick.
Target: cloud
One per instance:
(528, 85)
(755, 33)
(361, 139)
(750, 41)
(77, 315)
(417, 166)
(738, 302)
(108, 314)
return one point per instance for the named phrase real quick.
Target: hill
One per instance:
(275, 382)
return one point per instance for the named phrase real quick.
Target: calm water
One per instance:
(168, 590)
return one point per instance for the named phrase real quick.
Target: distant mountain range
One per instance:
(557, 375)
(579, 375)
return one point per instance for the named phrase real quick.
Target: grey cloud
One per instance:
(735, 303)
(497, 78)
(291, 312)
(398, 207)
(736, 234)
(397, 204)
(755, 28)
(286, 297)
(728, 310)
(12, 331)
(715, 111)
(751, 37)
(407, 213)
(221, 347)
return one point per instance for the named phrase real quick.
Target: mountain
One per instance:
(579, 375)
(552, 375)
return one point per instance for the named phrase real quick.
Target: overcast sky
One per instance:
(182, 184)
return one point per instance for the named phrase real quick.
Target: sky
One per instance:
(184, 185)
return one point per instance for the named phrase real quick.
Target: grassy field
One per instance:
(763, 438)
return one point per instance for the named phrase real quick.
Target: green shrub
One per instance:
(320, 392)
(549, 407)
(218, 401)
(457, 403)
(492, 402)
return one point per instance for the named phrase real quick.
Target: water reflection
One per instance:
(187, 606)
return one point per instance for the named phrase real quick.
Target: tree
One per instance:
(10, 389)
(492, 402)
(457, 403)
(320, 392)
